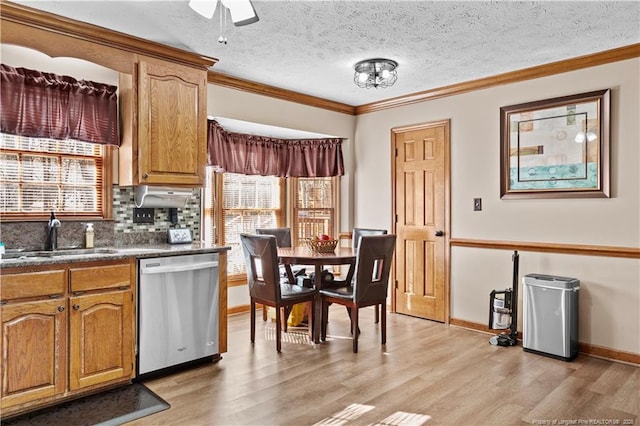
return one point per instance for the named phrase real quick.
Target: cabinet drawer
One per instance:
(99, 277)
(33, 284)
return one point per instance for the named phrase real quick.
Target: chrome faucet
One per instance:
(52, 235)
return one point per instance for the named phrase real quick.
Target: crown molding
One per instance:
(59, 25)
(225, 80)
(566, 65)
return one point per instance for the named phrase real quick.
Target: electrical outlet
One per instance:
(144, 215)
(477, 204)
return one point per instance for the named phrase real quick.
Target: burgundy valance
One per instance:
(46, 105)
(268, 156)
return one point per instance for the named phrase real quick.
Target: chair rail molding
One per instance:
(578, 249)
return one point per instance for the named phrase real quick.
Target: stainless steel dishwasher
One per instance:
(178, 305)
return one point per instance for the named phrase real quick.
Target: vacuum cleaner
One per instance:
(503, 310)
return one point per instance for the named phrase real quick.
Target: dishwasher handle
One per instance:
(156, 268)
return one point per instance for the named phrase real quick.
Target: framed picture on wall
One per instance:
(556, 148)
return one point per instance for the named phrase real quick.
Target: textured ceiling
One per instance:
(311, 46)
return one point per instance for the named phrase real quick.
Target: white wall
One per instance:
(610, 287)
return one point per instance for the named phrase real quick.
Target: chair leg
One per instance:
(285, 321)
(324, 318)
(253, 321)
(383, 314)
(377, 313)
(354, 329)
(264, 312)
(278, 332)
(311, 317)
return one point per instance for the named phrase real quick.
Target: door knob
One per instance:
(439, 233)
(76, 307)
(60, 308)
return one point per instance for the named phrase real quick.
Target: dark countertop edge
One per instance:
(125, 252)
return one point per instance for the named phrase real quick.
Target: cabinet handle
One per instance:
(76, 307)
(60, 308)
(144, 176)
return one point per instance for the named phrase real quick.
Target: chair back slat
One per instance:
(261, 259)
(283, 235)
(360, 232)
(373, 266)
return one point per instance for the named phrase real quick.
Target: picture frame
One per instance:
(556, 148)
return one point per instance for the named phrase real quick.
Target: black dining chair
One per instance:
(355, 239)
(369, 287)
(283, 235)
(287, 273)
(265, 287)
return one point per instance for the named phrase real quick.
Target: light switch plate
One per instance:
(477, 204)
(144, 215)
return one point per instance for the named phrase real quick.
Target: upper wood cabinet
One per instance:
(164, 128)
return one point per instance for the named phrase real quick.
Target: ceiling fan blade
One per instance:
(242, 12)
(205, 8)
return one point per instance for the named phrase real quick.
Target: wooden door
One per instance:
(172, 124)
(421, 207)
(34, 347)
(101, 338)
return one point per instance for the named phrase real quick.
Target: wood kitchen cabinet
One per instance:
(164, 132)
(101, 325)
(66, 329)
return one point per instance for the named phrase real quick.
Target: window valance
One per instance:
(46, 105)
(268, 156)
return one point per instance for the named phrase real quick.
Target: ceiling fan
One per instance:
(242, 11)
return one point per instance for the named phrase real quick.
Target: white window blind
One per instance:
(314, 207)
(38, 176)
(248, 203)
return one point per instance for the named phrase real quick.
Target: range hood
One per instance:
(161, 196)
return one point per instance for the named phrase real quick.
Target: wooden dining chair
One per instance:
(369, 287)
(265, 287)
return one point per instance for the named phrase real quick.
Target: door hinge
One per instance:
(396, 152)
(396, 284)
(396, 218)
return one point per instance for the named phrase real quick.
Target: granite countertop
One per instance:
(35, 258)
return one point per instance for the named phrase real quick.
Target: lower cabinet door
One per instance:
(33, 367)
(101, 338)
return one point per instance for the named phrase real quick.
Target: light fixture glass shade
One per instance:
(375, 73)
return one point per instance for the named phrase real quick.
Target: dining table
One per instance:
(302, 255)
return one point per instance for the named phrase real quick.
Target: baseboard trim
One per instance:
(583, 348)
(238, 309)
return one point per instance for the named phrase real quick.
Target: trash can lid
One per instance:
(550, 281)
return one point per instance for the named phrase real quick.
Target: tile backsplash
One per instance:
(117, 232)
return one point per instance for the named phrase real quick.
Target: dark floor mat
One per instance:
(112, 407)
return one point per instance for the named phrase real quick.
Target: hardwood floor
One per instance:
(427, 373)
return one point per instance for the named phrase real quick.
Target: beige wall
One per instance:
(610, 288)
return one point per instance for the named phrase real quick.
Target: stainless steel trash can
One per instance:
(550, 317)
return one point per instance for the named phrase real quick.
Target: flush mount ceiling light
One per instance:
(242, 11)
(375, 73)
